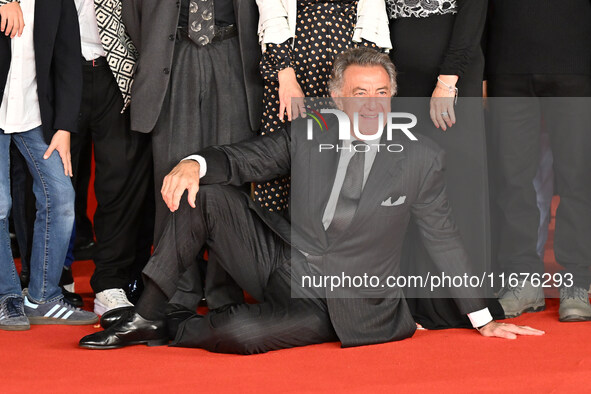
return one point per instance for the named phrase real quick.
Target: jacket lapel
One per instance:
(322, 172)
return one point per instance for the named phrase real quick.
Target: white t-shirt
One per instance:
(19, 111)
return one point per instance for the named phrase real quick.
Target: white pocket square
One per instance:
(389, 203)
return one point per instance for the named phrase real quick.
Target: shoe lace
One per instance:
(14, 307)
(575, 292)
(65, 303)
(514, 290)
(117, 295)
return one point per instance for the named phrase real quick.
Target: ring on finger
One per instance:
(444, 113)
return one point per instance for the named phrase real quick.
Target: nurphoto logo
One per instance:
(400, 121)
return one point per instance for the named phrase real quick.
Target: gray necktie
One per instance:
(350, 193)
(201, 21)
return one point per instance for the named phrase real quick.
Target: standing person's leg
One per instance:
(23, 210)
(12, 315)
(81, 153)
(53, 228)
(122, 178)
(568, 118)
(224, 71)
(144, 240)
(55, 216)
(516, 129)
(84, 243)
(205, 105)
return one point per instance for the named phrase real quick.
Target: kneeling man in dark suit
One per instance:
(351, 201)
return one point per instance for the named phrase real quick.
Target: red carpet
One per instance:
(47, 359)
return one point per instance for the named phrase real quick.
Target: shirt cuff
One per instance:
(480, 318)
(202, 165)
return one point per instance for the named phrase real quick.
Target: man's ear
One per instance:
(337, 100)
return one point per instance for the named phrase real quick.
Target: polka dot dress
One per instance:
(324, 29)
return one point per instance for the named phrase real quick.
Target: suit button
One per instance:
(171, 37)
(166, 71)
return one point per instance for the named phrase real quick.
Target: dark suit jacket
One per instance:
(373, 241)
(152, 26)
(58, 62)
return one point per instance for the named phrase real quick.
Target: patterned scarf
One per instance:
(121, 53)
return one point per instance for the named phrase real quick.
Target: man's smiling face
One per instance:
(367, 91)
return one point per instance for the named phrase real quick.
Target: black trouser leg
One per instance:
(122, 178)
(562, 102)
(516, 132)
(278, 323)
(81, 179)
(570, 137)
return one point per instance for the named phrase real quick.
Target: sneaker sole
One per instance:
(16, 327)
(529, 309)
(100, 308)
(151, 343)
(38, 320)
(574, 318)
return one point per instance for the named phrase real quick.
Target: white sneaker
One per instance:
(110, 299)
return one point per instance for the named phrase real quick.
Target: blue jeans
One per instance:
(53, 224)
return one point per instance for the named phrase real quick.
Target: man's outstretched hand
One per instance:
(507, 331)
(184, 176)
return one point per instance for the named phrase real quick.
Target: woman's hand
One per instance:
(61, 143)
(442, 102)
(11, 19)
(289, 90)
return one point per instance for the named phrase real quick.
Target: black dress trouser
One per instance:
(518, 106)
(256, 258)
(123, 177)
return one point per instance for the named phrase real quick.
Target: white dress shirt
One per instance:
(19, 111)
(92, 48)
(478, 318)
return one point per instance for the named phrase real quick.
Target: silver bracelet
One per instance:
(451, 89)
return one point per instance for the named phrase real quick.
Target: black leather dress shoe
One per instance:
(68, 280)
(113, 316)
(134, 330)
(73, 299)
